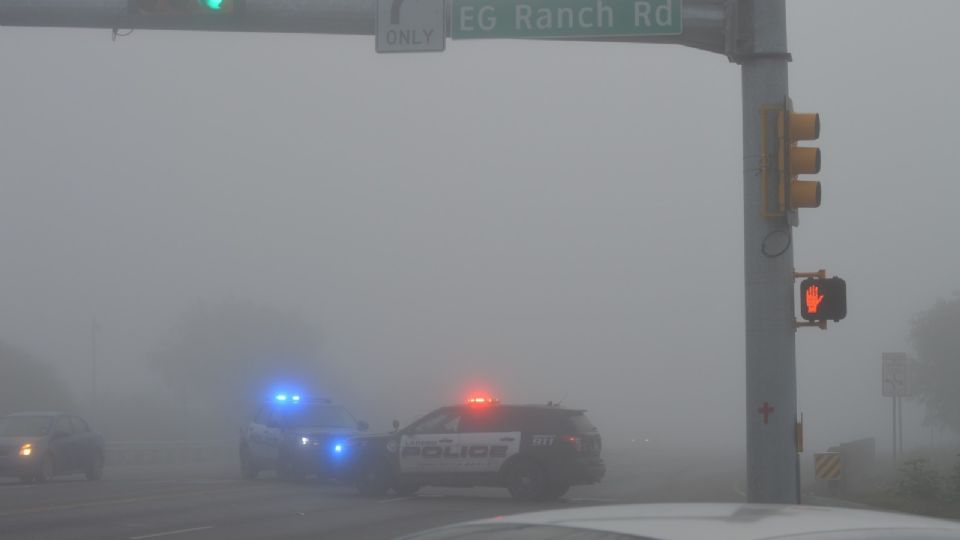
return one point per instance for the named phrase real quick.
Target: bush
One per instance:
(915, 481)
(951, 490)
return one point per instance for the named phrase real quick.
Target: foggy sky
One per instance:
(542, 220)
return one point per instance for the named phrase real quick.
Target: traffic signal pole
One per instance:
(750, 32)
(771, 370)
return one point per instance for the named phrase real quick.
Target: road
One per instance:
(209, 501)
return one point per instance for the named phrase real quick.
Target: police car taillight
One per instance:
(574, 441)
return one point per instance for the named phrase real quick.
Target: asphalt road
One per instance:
(209, 501)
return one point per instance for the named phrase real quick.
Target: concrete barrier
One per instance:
(858, 469)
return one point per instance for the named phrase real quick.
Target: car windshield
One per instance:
(25, 426)
(317, 415)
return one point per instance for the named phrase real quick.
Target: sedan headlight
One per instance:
(26, 450)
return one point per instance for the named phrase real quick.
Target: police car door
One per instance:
(256, 431)
(431, 445)
(488, 438)
(272, 435)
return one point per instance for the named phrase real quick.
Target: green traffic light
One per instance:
(215, 5)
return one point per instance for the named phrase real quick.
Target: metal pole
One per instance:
(894, 403)
(768, 268)
(900, 424)
(93, 370)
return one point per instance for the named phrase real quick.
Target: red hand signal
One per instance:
(813, 299)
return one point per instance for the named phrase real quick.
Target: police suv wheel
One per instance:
(374, 479)
(555, 491)
(527, 481)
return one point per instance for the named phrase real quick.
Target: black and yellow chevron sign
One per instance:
(827, 466)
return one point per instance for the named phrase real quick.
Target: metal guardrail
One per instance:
(168, 452)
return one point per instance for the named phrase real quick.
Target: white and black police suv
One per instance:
(297, 437)
(535, 451)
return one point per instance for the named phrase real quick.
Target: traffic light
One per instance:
(823, 299)
(795, 160)
(182, 7)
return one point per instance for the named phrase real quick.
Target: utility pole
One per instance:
(93, 370)
(768, 266)
(900, 426)
(894, 415)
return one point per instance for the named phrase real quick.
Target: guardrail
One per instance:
(169, 452)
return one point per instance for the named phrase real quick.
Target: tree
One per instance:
(28, 384)
(936, 339)
(220, 360)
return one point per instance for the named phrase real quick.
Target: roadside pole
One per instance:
(893, 400)
(900, 426)
(93, 370)
(768, 269)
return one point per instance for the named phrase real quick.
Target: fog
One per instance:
(541, 221)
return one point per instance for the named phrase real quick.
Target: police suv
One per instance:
(536, 451)
(297, 437)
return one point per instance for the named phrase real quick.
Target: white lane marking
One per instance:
(171, 533)
(395, 499)
(592, 499)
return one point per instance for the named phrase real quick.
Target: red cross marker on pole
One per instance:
(765, 411)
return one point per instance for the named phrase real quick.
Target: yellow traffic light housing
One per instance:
(783, 192)
(795, 160)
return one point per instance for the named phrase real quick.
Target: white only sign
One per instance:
(411, 25)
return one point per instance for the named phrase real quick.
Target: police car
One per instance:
(297, 437)
(536, 451)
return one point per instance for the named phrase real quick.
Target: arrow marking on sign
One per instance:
(395, 11)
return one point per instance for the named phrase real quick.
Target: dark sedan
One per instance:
(36, 446)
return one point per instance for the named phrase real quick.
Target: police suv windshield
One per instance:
(316, 415)
(25, 426)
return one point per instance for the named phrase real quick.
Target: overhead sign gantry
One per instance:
(751, 33)
(565, 18)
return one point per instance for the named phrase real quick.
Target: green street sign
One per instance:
(473, 19)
